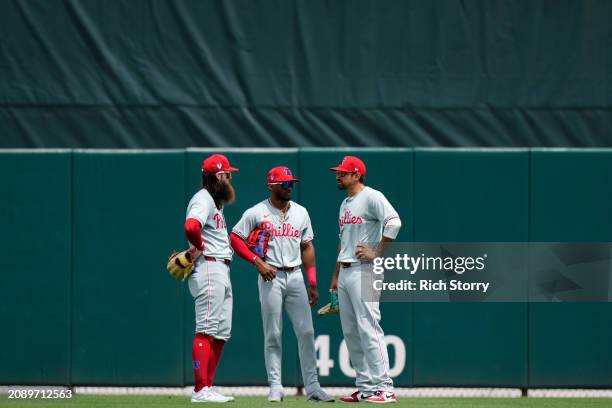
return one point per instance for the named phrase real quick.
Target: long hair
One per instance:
(211, 183)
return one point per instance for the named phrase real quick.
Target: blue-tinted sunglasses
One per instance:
(285, 184)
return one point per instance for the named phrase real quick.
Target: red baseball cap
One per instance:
(217, 163)
(351, 164)
(280, 174)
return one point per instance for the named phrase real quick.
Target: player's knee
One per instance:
(307, 335)
(305, 331)
(273, 337)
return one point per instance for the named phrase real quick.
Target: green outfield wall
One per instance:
(86, 299)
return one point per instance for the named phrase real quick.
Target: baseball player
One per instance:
(278, 236)
(366, 216)
(209, 284)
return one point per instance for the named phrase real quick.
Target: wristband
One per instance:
(311, 275)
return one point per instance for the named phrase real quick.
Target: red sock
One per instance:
(217, 349)
(201, 353)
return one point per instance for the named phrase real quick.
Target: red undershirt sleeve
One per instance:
(241, 248)
(193, 231)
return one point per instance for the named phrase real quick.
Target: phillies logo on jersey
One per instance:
(219, 221)
(284, 230)
(349, 218)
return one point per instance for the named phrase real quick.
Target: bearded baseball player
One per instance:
(366, 216)
(209, 284)
(276, 236)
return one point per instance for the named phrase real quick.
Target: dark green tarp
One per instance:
(153, 73)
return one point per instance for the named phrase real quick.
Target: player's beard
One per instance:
(282, 197)
(227, 194)
(222, 192)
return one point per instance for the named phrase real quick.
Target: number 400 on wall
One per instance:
(325, 363)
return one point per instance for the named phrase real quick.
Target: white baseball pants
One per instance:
(362, 332)
(211, 289)
(287, 289)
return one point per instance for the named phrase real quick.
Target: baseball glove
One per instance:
(332, 308)
(180, 265)
(258, 241)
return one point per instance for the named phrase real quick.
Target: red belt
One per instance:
(212, 259)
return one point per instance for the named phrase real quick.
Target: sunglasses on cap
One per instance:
(284, 184)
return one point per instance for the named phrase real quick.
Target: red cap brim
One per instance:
(231, 169)
(339, 168)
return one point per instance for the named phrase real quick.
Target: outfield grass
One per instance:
(99, 401)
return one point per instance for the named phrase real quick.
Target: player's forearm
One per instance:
(309, 262)
(383, 245)
(390, 231)
(241, 248)
(334, 281)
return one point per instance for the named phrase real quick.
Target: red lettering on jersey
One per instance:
(219, 221)
(349, 218)
(284, 230)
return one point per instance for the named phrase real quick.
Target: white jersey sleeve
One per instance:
(247, 223)
(307, 233)
(200, 209)
(381, 208)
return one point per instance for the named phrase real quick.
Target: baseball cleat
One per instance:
(320, 396)
(382, 397)
(357, 396)
(206, 394)
(276, 395)
(214, 391)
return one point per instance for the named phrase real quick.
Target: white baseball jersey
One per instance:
(362, 219)
(214, 231)
(286, 233)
